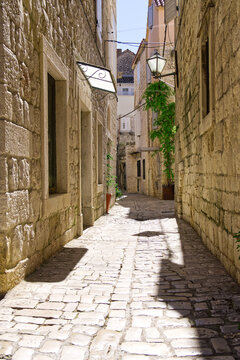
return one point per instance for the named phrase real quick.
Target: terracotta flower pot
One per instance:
(108, 199)
(168, 192)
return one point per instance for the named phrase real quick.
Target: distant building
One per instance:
(147, 169)
(126, 126)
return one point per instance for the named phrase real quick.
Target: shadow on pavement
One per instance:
(199, 295)
(149, 233)
(58, 267)
(143, 208)
(201, 300)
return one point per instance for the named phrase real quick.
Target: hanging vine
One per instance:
(158, 98)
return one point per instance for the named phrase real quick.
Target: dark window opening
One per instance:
(139, 168)
(144, 172)
(205, 78)
(52, 161)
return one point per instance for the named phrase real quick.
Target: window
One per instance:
(170, 10)
(144, 174)
(99, 18)
(138, 72)
(125, 124)
(138, 168)
(207, 64)
(205, 78)
(54, 119)
(125, 91)
(100, 154)
(131, 91)
(150, 16)
(52, 162)
(149, 74)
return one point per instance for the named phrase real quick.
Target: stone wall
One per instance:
(30, 231)
(207, 146)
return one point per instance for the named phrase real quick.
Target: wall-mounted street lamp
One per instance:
(156, 64)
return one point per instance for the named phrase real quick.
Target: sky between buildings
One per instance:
(131, 22)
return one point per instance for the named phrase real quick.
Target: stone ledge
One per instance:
(55, 203)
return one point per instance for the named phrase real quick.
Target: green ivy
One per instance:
(158, 99)
(111, 179)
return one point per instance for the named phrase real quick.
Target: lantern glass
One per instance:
(156, 63)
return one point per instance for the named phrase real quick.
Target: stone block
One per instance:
(29, 245)
(14, 209)
(24, 174)
(16, 246)
(36, 146)
(36, 174)
(6, 101)
(13, 174)
(23, 353)
(9, 68)
(218, 137)
(104, 345)
(73, 352)
(12, 276)
(17, 116)
(143, 348)
(5, 252)
(4, 174)
(4, 28)
(42, 234)
(35, 206)
(15, 140)
(26, 114)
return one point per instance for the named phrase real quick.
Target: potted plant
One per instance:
(110, 181)
(158, 98)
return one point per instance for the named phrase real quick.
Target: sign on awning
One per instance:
(98, 77)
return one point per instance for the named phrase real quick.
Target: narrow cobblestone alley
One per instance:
(137, 285)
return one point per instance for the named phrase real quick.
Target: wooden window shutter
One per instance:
(170, 10)
(150, 16)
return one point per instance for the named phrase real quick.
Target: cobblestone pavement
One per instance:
(137, 285)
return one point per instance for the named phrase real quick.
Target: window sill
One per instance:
(206, 122)
(55, 203)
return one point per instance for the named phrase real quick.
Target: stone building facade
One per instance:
(55, 131)
(148, 170)
(126, 125)
(208, 116)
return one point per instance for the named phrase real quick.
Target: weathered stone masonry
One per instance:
(208, 145)
(30, 229)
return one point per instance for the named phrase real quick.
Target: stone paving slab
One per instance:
(137, 285)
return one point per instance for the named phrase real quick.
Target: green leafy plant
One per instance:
(118, 191)
(111, 179)
(237, 239)
(158, 98)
